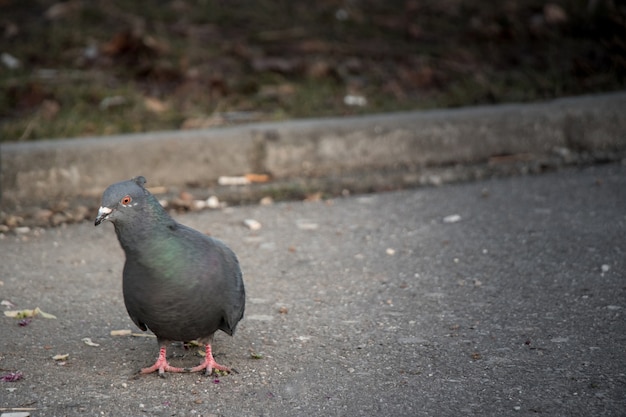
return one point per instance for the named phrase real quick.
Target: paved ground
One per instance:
(367, 305)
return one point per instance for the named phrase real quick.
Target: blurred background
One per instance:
(91, 68)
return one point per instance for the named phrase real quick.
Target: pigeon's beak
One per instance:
(103, 213)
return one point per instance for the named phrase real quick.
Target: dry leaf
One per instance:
(22, 314)
(154, 105)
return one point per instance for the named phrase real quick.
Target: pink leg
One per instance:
(209, 363)
(161, 365)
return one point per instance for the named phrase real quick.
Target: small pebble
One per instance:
(185, 196)
(453, 218)
(306, 225)
(252, 224)
(213, 202)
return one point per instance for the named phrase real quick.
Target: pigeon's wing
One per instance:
(233, 312)
(129, 294)
(223, 277)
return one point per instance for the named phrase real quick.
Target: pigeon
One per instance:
(177, 282)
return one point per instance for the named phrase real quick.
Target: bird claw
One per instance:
(161, 366)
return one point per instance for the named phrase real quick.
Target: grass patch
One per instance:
(101, 68)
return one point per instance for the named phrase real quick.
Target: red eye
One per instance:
(126, 200)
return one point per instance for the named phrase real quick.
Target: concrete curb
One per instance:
(63, 169)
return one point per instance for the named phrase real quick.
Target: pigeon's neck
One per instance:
(150, 225)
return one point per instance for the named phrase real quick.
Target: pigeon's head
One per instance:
(123, 201)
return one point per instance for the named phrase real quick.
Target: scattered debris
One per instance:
(354, 100)
(22, 314)
(317, 196)
(10, 61)
(243, 180)
(114, 101)
(257, 178)
(61, 357)
(213, 202)
(155, 105)
(307, 225)
(124, 332)
(224, 180)
(88, 342)
(24, 322)
(12, 376)
(17, 412)
(453, 218)
(252, 224)
(390, 251)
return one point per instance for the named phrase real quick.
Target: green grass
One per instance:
(195, 59)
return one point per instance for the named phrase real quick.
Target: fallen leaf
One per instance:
(26, 313)
(154, 105)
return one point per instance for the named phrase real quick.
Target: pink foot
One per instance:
(161, 365)
(209, 363)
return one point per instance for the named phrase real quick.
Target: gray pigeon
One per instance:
(177, 282)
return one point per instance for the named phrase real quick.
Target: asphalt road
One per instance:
(368, 305)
